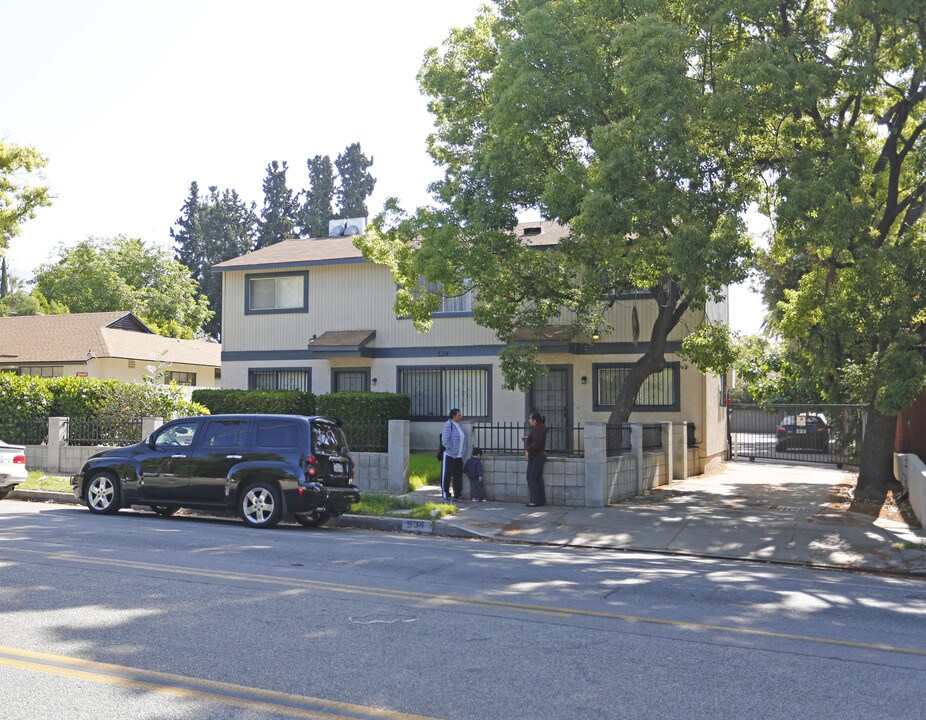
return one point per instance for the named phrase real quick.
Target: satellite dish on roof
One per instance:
(351, 230)
(337, 230)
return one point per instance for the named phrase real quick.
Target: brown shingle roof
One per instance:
(322, 251)
(48, 339)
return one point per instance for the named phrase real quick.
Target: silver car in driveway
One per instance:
(12, 467)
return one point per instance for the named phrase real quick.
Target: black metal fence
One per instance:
(830, 434)
(617, 440)
(25, 431)
(367, 435)
(507, 438)
(93, 431)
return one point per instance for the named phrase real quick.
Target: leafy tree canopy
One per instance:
(616, 118)
(210, 230)
(316, 212)
(356, 182)
(20, 194)
(844, 88)
(122, 273)
(280, 215)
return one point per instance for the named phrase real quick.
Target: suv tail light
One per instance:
(19, 459)
(311, 460)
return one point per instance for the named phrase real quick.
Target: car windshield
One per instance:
(328, 438)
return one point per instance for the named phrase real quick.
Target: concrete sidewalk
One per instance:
(752, 511)
(769, 512)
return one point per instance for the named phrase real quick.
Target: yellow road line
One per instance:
(298, 706)
(431, 598)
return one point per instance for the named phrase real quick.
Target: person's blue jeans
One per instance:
(535, 488)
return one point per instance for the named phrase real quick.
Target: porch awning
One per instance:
(341, 343)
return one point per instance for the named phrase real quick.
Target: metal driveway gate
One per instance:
(796, 433)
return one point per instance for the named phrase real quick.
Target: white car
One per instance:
(12, 467)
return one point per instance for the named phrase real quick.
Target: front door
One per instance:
(550, 396)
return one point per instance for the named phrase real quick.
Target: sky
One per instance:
(131, 102)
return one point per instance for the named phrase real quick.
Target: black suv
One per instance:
(264, 467)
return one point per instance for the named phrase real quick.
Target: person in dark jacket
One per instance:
(535, 450)
(473, 470)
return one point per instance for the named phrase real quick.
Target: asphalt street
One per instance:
(136, 616)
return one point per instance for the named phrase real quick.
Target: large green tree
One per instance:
(279, 217)
(122, 273)
(356, 182)
(210, 230)
(843, 88)
(612, 117)
(21, 191)
(316, 211)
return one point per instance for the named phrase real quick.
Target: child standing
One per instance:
(473, 470)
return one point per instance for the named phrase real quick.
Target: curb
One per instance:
(363, 522)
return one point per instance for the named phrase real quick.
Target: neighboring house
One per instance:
(114, 345)
(313, 314)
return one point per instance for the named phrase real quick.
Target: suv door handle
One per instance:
(178, 456)
(233, 457)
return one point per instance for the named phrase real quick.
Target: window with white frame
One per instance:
(659, 391)
(277, 292)
(434, 391)
(455, 303)
(43, 370)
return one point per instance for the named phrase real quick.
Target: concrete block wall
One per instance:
(506, 480)
(622, 477)
(371, 471)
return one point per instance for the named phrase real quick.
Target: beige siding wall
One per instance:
(361, 296)
(118, 369)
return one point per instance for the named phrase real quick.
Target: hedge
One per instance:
(364, 406)
(27, 401)
(282, 402)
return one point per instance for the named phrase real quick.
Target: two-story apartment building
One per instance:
(313, 314)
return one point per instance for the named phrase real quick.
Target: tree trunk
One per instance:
(671, 309)
(876, 471)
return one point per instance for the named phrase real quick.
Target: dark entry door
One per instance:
(550, 395)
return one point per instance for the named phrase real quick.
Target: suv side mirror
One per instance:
(149, 441)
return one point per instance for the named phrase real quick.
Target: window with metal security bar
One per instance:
(434, 391)
(280, 379)
(659, 391)
(350, 381)
(277, 293)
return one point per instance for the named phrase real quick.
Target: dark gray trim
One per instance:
(276, 311)
(676, 388)
(336, 370)
(439, 353)
(489, 385)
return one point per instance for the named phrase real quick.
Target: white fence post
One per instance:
(680, 449)
(149, 425)
(667, 451)
(596, 485)
(57, 432)
(399, 443)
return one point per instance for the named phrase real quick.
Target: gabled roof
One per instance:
(52, 339)
(337, 250)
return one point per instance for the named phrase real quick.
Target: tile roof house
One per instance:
(114, 345)
(313, 314)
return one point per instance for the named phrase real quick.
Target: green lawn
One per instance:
(423, 469)
(38, 480)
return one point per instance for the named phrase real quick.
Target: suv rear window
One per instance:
(277, 434)
(328, 438)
